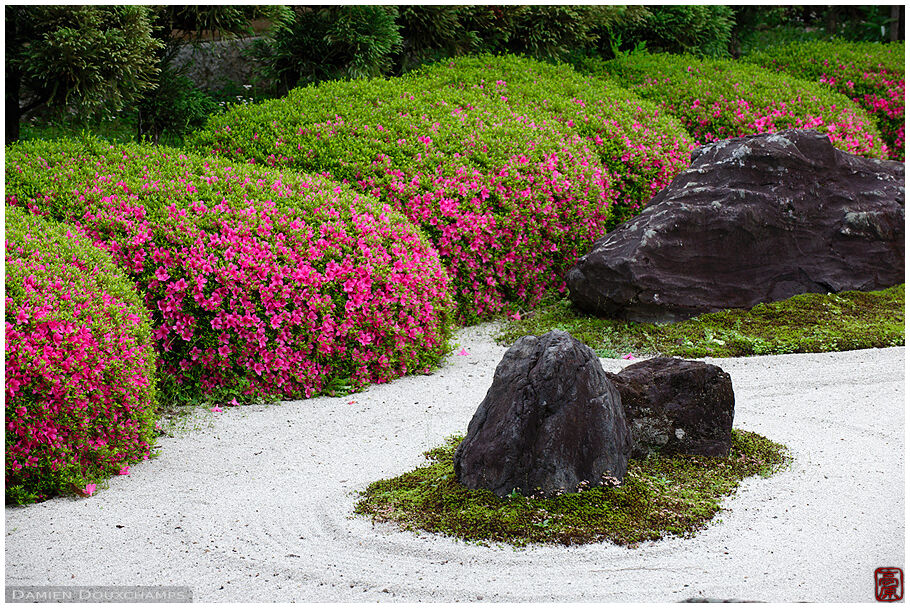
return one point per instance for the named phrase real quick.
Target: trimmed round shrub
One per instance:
(261, 284)
(496, 159)
(80, 389)
(870, 74)
(718, 99)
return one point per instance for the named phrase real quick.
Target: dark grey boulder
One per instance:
(675, 406)
(754, 219)
(549, 422)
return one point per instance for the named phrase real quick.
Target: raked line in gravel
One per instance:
(256, 503)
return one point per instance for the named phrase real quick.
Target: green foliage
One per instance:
(475, 151)
(176, 23)
(327, 43)
(85, 59)
(659, 497)
(548, 33)
(760, 27)
(807, 323)
(700, 30)
(717, 99)
(433, 32)
(80, 375)
(870, 74)
(174, 107)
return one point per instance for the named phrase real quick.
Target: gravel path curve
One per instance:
(255, 503)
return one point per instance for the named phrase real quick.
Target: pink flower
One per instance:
(628, 356)
(125, 471)
(217, 409)
(463, 352)
(89, 489)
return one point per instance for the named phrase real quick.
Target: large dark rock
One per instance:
(675, 406)
(754, 219)
(550, 421)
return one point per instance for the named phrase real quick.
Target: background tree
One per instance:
(315, 43)
(82, 59)
(175, 105)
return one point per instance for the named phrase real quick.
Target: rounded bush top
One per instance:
(261, 284)
(509, 177)
(870, 74)
(80, 390)
(717, 99)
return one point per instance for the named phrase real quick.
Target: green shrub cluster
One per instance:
(509, 165)
(870, 74)
(701, 30)
(80, 376)
(718, 99)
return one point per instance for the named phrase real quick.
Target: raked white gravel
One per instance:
(255, 503)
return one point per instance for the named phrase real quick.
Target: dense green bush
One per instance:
(870, 74)
(717, 99)
(260, 284)
(312, 44)
(700, 30)
(80, 390)
(174, 107)
(510, 166)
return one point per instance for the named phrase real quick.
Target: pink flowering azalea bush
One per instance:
(80, 372)
(718, 99)
(870, 74)
(510, 167)
(261, 284)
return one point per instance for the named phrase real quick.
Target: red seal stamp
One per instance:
(889, 584)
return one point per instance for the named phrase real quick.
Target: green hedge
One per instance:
(511, 166)
(80, 375)
(718, 99)
(261, 284)
(870, 74)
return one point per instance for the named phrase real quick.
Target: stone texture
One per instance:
(214, 64)
(549, 421)
(675, 406)
(754, 219)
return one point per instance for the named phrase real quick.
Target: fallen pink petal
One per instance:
(628, 356)
(463, 352)
(125, 471)
(217, 409)
(89, 489)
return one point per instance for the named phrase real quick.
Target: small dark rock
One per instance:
(674, 406)
(754, 219)
(550, 422)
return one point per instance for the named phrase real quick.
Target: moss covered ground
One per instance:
(660, 496)
(807, 323)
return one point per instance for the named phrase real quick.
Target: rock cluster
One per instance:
(551, 422)
(554, 421)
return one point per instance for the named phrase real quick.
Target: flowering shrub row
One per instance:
(870, 74)
(718, 99)
(80, 390)
(510, 166)
(260, 284)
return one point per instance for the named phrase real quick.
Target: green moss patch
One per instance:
(659, 497)
(807, 323)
